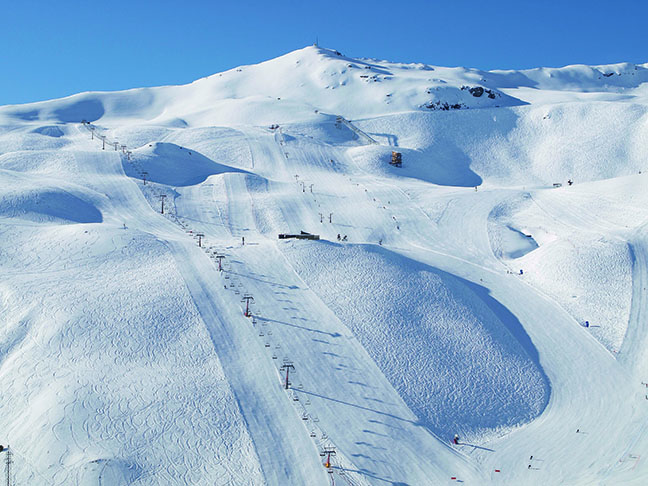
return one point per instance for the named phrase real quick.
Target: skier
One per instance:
(242, 240)
(570, 182)
(339, 237)
(586, 323)
(456, 439)
(345, 238)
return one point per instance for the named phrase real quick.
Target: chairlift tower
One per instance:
(220, 262)
(8, 463)
(287, 366)
(328, 452)
(200, 237)
(247, 298)
(162, 196)
(144, 174)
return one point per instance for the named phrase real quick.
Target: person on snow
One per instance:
(456, 439)
(339, 237)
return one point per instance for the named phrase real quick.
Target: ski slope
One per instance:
(453, 302)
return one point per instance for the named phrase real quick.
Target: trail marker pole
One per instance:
(103, 139)
(247, 299)
(287, 367)
(200, 237)
(331, 218)
(162, 196)
(321, 217)
(311, 188)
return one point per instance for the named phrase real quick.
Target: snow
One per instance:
(455, 305)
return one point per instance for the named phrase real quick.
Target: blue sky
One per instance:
(50, 49)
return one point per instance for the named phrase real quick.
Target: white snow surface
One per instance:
(453, 302)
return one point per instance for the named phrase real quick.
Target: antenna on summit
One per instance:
(316, 42)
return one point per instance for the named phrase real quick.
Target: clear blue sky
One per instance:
(50, 48)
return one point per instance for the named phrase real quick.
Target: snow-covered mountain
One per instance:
(447, 296)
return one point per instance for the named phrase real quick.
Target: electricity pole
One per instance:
(287, 367)
(162, 196)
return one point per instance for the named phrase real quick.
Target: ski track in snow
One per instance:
(125, 357)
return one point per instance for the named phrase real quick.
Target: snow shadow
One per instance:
(48, 205)
(116, 472)
(173, 165)
(445, 164)
(88, 109)
(49, 131)
(30, 115)
(460, 360)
